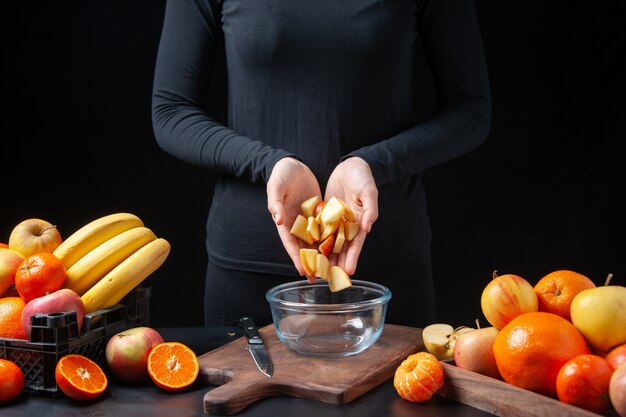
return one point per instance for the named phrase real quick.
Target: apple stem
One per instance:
(608, 279)
(46, 228)
(477, 324)
(494, 274)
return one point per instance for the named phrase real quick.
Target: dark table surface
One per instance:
(148, 400)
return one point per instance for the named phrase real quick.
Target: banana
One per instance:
(88, 270)
(115, 285)
(92, 235)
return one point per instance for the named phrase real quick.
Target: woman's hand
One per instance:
(352, 181)
(290, 183)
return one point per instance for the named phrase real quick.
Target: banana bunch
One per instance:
(107, 258)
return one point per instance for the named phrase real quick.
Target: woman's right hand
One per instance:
(290, 183)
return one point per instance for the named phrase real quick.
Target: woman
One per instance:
(325, 98)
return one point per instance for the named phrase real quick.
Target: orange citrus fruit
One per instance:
(79, 377)
(531, 349)
(556, 291)
(11, 380)
(11, 317)
(38, 275)
(172, 366)
(584, 382)
(418, 377)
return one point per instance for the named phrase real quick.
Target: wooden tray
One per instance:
(502, 399)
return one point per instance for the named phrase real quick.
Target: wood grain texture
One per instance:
(332, 380)
(500, 398)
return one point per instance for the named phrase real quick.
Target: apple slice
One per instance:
(338, 279)
(307, 256)
(313, 229)
(340, 238)
(348, 214)
(327, 245)
(322, 266)
(318, 211)
(299, 229)
(350, 229)
(308, 206)
(329, 229)
(333, 211)
(440, 338)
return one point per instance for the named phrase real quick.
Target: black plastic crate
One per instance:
(56, 335)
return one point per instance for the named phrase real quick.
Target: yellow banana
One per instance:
(92, 235)
(88, 270)
(115, 285)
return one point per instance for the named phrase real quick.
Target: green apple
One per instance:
(600, 315)
(439, 339)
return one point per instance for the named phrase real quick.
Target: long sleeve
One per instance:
(453, 47)
(189, 45)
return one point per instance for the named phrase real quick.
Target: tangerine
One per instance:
(531, 349)
(11, 380)
(584, 382)
(172, 366)
(79, 377)
(11, 317)
(38, 275)
(418, 377)
(556, 291)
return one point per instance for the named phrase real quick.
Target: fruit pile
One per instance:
(93, 269)
(328, 225)
(564, 338)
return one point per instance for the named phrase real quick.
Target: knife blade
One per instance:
(256, 347)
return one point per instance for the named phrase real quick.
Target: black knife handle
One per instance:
(250, 330)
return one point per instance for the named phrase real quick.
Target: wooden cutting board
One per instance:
(331, 380)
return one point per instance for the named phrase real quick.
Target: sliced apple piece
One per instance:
(348, 214)
(327, 245)
(308, 206)
(350, 229)
(333, 211)
(340, 239)
(329, 229)
(322, 266)
(313, 229)
(307, 256)
(338, 279)
(299, 229)
(440, 338)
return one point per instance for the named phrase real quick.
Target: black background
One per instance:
(545, 192)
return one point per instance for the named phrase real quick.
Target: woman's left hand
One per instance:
(352, 181)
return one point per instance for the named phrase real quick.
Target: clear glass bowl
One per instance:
(314, 321)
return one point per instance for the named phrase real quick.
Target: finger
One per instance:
(290, 242)
(369, 199)
(353, 252)
(311, 279)
(277, 210)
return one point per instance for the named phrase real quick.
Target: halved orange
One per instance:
(172, 366)
(79, 377)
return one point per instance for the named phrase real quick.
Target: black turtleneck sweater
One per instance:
(400, 83)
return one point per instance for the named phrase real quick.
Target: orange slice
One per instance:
(79, 377)
(172, 366)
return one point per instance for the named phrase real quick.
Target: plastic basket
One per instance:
(56, 335)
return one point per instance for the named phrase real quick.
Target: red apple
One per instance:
(9, 261)
(506, 297)
(474, 351)
(617, 390)
(56, 302)
(127, 353)
(616, 356)
(34, 236)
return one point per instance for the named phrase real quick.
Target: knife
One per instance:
(256, 347)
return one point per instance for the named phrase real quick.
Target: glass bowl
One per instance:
(314, 321)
